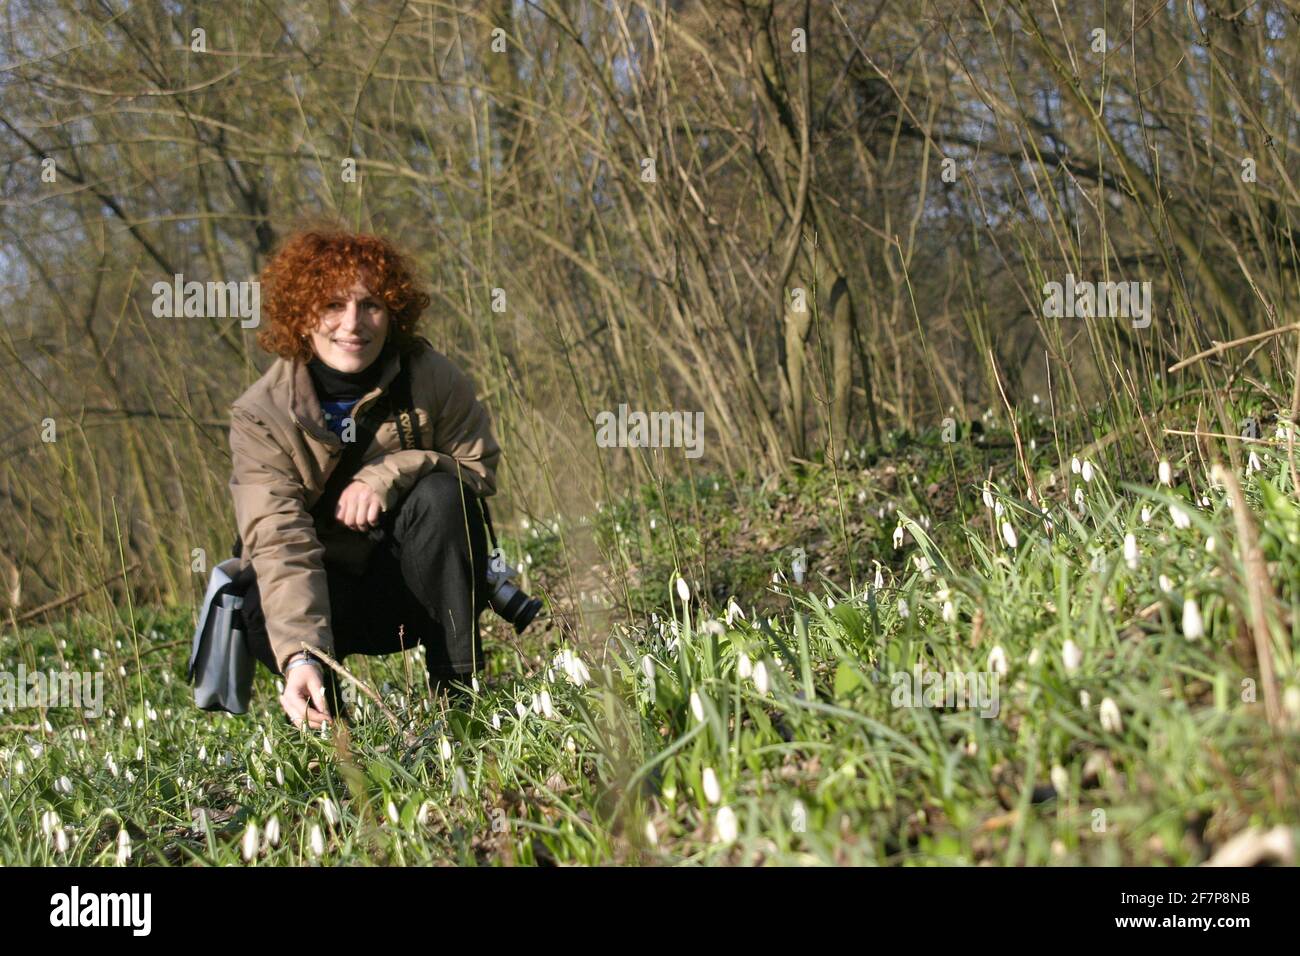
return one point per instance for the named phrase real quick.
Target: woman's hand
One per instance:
(304, 695)
(359, 507)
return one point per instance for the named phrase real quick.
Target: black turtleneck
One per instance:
(339, 391)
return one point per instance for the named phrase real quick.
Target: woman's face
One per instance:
(353, 327)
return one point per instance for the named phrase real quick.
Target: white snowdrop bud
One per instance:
(1165, 473)
(1193, 625)
(1078, 498)
(1253, 463)
(1165, 584)
(651, 834)
(1181, 519)
(949, 613)
(999, 509)
(697, 706)
(1074, 465)
(898, 536)
(879, 582)
(496, 721)
(393, 815)
(331, 810)
(1060, 779)
(760, 678)
(903, 610)
(316, 841)
(123, 848)
(61, 840)
(1087, 471)
(1131, 551)
(1109, 715)
(1009, 534)
(548, 709)
(648, 667)
(249, 845)
(1085, 699)
(998, 660)
(712, 792)
(726, 825)
(444, 748)
(273, 831)
(683, 590)
(987, 496)
(744, 667)
(1146, 515)
(1071, 656)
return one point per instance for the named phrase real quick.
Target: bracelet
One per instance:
(305, 659)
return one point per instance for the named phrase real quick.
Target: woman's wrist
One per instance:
(299, 659)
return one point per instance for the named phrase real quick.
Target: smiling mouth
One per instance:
(353, 345)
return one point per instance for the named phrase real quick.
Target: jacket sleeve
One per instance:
(463, 444)
(280, 539)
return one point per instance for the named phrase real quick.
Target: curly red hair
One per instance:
(312, 266)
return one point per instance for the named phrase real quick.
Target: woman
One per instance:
(391, 550)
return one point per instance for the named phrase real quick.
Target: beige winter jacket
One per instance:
(283, 456)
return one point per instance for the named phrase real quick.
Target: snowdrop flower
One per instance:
(273, 831)
(1131, 552)
(712, 792)
(575, 671)
(496, 721)
(123, 848)
(392, 812)
(744, 667)
(697, 706)
(63, 785)
(1146, 515)
(266, 746)
(760, 678)
(1087, 471)
(1181, 519)
(1209, 544)
(249, 845)
(537, 705)
(987, 496)
(520, 709)
(548, 710)
(726, 826)
(331, 811)
(1193, 625)
(1205, 501)
(799, 566)
(903, 610)
(444, 748)
(1085, 699)
(203, 753)
(1071, 656)
(733, 611)
(1110, 719)
(998, 660)
(898, 536)
(1253, 463)
(1074, 465)
(651, 834)
(1078, 498)
(683, 590)
(1165, 473)
(999, 509)
(1165, 584)
(569, 744)
(648, 667)
(61, 840)
(49, 820)
(949, 613)
(880, 577)
(1009, 534)
(1060, 779)
(316, 841)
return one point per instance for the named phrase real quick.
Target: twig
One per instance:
(1224, 346)
(59, 602)
(1200, 434)
(19, 728)
(1015, 434)
(407, 737)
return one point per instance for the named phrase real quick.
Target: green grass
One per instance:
(821, 766)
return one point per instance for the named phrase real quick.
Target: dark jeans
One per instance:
(424, 583)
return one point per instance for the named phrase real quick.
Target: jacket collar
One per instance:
(305, 408)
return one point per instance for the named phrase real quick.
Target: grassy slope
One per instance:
(823, 767)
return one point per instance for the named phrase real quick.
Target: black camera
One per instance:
(505, 598)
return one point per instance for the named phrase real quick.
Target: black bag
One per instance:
(221, 667)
